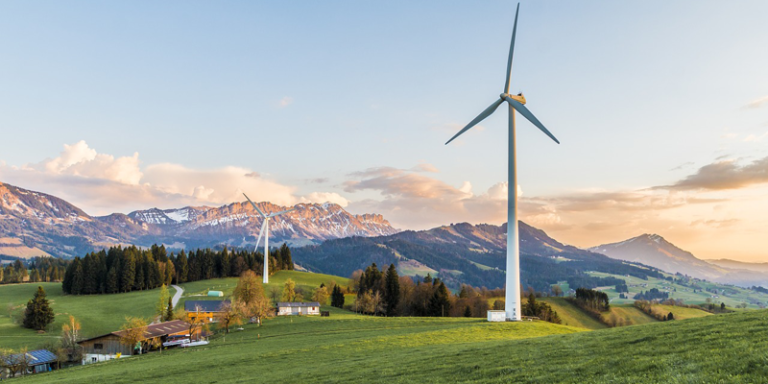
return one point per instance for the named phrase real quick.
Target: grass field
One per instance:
(735, 296)
(98, 314)
(572, 315)
(349, 348)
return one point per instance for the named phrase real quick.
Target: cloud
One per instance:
(80, 160)
(757, 103)
(325, 197)
(101, 184)
(285, 101)
(412, 199)
(724, 174)
(682, 166)
(318, 180)
(755, 138)
(716, 223)
(425, 167)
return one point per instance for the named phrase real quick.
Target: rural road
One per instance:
(177, 296)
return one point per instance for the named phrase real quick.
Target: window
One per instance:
(98, 346)
(93, 359)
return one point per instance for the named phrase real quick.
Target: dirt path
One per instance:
(177, 296)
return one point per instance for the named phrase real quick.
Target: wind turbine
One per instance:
(265, 231)
(515, 103)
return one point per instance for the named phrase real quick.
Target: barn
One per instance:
(108, 347)
(288, 308)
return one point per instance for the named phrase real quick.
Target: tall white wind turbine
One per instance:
(265, 231)
(514, 103)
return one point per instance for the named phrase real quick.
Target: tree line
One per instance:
(39, 269)
(118, 269)
(383, 292)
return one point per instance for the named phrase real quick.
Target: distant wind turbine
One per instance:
(265, 231)
(515, 102)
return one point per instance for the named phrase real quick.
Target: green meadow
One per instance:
(98, 314)
(344, 347)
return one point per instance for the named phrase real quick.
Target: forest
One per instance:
(118, 269)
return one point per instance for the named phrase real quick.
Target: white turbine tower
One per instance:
(265, 231)
(515, 102)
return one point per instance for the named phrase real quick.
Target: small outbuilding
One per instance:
(216, 293)
(497, 315)
(289, 308)
(205, 310)
(41, 360)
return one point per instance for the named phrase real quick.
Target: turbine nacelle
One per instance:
(519, 97)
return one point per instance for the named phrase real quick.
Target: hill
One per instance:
(689, 290)
(37, 224)
(470, 254)
(654, 250)
(350, 348)
(100, 314)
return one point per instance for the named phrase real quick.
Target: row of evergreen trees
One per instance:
(40, 269)
(385, 293)
(132, 269)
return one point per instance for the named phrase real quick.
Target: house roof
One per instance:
(303, 304)
(204, 305)
(153, 330)
(40, 356)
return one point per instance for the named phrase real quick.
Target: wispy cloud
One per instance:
(285, 101)
(724, 174)
(411, 199)
(757, 103)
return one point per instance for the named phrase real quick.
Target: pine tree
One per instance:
(129, 271)
(113, 285)
(285, 252)
(182, 268)
(440, 303)
(392, 290)
(77, 280)
(169, 310)
(467, 311)
(39, 312)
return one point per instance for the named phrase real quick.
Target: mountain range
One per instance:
(327, 238)
(471, 254)
(38, 224)
(654, 250)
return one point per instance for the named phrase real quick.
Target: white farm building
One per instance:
(288, 308)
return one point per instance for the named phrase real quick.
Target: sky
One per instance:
(661, 109)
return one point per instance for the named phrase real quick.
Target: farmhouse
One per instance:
(38, 361)
(205, 310)
(108, 347)
(286, 308)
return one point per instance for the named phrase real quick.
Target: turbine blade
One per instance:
(254, 205)
(488, 111)
(281, 212)
(261, 232)
(528, 115)
(511, 51)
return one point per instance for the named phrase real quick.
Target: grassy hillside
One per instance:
(349, 348)
(732, 297)
(682, 313)
(100, 314)
(571, 315)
